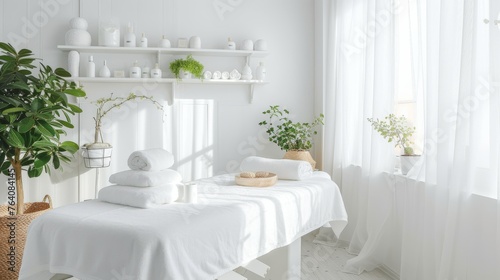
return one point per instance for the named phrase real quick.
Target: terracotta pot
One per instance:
(15, 227)
(300, 155)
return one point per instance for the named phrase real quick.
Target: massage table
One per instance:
(230, 226)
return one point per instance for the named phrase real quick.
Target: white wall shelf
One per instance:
(174, 82)
(169, 51)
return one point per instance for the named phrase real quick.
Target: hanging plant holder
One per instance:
(97, 155)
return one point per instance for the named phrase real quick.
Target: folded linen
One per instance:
(139, 197)
(150, 160)
(284, 168)
(139, 178)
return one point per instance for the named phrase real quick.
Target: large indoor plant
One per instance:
(98, 153)
(397, 130)
(34, 113)
(293, 137)
(182, 67)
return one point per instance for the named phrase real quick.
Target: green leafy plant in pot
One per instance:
(397, 130)
(293, 137)
(183, 67)
(34, 114)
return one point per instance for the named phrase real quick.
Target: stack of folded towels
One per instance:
(149, 184)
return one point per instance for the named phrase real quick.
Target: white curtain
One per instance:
(435, 217)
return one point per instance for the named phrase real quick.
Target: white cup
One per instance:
(190, 193)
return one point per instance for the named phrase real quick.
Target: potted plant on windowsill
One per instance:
(183, 68)
(293, 137)
(34, 113)
(398, 130)
(98, 153)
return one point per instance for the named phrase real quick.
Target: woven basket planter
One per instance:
(300, 155)
(11, 259)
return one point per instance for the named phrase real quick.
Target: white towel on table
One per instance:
(284, 168)
(139, 178)
(150, 160)
(139, 197)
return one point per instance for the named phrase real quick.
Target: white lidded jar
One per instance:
(156, 72)
(129, 39)
(135, 71)
(260, 72)
(246, 73)
(91, 67)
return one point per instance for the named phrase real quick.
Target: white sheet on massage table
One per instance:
(229, 226)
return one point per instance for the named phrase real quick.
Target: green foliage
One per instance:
(106, 104)
(287, 134)
(397, 129)
(188, 64)
(34, 113)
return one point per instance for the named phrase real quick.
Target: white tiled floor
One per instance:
(321, 262)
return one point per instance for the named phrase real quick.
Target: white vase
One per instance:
(260, 72)
(78, 34)
(104, 72)
(246, 73)
(74, 63)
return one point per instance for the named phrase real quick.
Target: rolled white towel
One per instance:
(284, 168)
(139, 178)
(150, 160)
(139, 197)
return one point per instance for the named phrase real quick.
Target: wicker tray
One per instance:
(268, 181)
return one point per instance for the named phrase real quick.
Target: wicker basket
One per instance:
(22, 222)
(267, 181)
(300, 155)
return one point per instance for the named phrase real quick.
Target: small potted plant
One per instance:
(398, 130)
(98, 153)
(35, 113)
(185, 67)
(293, 137)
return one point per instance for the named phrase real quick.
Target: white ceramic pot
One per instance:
(78, 34)
(407, 162)
(260, 45)
(185, 74)
(195, 42)
(247, 45)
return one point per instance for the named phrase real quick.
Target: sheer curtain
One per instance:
(360, 84)
(435, 216)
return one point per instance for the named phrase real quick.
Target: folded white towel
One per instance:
(139, 197)
(284, 168)
(150, 160)
(139, 178)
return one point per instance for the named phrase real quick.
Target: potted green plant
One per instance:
(34, 113)
(293, 137)
(185, 67)
(398, 130)
(98, 153)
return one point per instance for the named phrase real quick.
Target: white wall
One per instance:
(226, 122)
